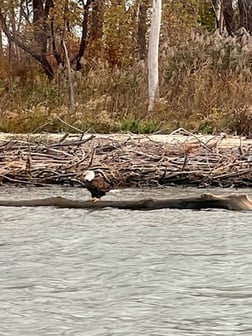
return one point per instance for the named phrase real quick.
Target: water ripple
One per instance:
(122, 273)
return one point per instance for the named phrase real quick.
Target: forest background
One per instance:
(81, 65)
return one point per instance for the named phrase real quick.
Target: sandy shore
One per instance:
(173, 139)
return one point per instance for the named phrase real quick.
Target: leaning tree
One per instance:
(39, 27)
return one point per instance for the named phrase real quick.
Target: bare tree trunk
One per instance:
(97, 19)
(83, 42)
(71, 88)
(228, 14)
(245, 11)
(56, 54)
(142, 28)
(41, 32)
(1, 39)
(12, 23)
(224, 14)
(218, 11)
(39, 50)
(153, 81)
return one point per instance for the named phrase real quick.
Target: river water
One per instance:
(124, 273)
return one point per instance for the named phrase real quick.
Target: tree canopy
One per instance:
(114, 31)
(103, 44)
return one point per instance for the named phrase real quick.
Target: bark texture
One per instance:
(153, 78)
(205, 201)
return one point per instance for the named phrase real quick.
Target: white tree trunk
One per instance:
(218, 9)
(153, 84)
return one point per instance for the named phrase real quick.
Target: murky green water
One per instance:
(124, 273)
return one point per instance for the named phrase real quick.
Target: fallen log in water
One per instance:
(205, 201)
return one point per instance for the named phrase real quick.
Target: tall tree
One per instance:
(1, 39)
(228, 15)
(36, 46)
(41, 11)
(142, 28)
(84, 34)
(245, 11)
(218, 10)
(97, 19)
(224, 15)
(153, 81)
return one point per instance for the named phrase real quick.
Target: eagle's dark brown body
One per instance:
(97, 186)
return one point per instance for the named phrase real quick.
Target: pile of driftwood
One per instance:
(125, 161)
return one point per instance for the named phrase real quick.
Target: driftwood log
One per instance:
(205, 201)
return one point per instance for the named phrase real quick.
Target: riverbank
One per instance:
(127, 160)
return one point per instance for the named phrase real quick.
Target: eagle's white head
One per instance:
(89, 175)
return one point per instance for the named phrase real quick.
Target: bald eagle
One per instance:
(96, 185)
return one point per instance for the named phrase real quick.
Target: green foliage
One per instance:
(206, 17)
(139, 126)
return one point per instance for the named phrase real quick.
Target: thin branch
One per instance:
(70, 79)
